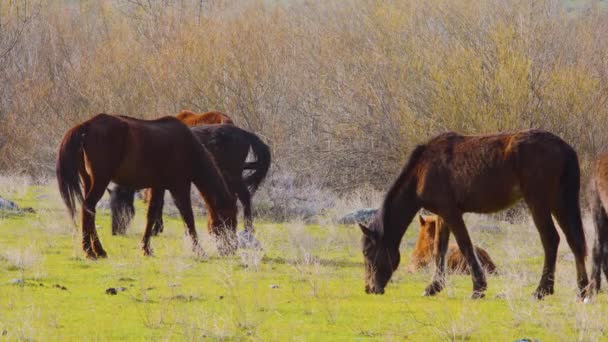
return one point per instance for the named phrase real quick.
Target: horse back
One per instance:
(486, 173)
(154, 151)
(218, 138)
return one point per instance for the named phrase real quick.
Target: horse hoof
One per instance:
(199, 252)
(148, 252)
(102, 255)
(541, 293)
(478, 295)
(431, 290)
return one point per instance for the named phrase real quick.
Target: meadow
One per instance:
(341, 91)
(306, 284)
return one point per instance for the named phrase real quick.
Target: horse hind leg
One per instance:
(158, 226)
(600, 245)
(92, 247)
(246, 239)
(245, 197)
(550, 241)
(568, 215)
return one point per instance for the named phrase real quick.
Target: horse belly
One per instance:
(491, 196)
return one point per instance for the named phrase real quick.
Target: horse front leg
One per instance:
(459, 229)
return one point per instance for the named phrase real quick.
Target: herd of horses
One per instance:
(450, 175)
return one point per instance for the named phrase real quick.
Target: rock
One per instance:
(274, 286)
(16, 281)
(247, 240)
(61, 287)
(489, 228)
(363, 216)
(567, 257)
(126, 279)
(111, 291)
(8, 205)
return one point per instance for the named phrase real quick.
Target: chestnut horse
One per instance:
(424, 251)
(137, 153)
(599, 208)
(453, 174)
(229, 146)
(213, 117)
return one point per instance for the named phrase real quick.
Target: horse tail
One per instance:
(570, 180)
(260, 166)
(68, 163)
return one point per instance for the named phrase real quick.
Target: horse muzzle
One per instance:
(374, 289)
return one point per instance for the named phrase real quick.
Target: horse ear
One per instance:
(421, 219)
(367, 232)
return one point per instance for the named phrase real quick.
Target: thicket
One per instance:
(341, 89)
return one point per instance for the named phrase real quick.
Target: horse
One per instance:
(423, 252)
(229, 146)
(122, 197)
(599, 209)
(212, 117)
(136, 153)
(453, 174)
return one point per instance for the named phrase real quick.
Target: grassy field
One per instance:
(307, 284)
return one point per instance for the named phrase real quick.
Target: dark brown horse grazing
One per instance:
(453, 174)
(424, 253)
(213, 117)
(121, 197)
(599, 208)
(136, 153)
(229, 147)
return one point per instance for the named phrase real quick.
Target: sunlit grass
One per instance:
(306, 284)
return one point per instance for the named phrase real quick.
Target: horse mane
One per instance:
(396, 189)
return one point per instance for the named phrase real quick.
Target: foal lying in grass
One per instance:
(423, 252)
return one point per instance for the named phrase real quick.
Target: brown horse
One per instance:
(136, 153)
(229, 147)
(453, 174)
(599, 208)
(424, 251)
(212, 117)
(121, 197)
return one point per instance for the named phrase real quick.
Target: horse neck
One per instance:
(399, 209)
(211, 184)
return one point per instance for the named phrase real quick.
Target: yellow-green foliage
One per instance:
(341, 89)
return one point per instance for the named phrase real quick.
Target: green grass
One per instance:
(318, 270)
